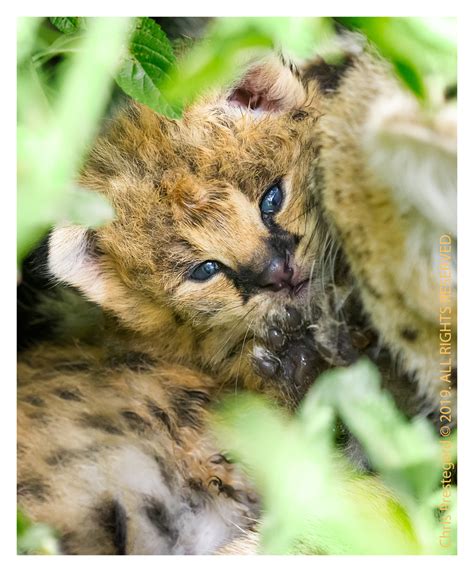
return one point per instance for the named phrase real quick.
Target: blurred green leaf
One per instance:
(52, 142)
(88, 208)
(64, 44)
(312, 499)
(34, 538)
(69, 25)
(410, 76)
(314, 502)
(422, 50)
(148, 62)
(26, 33)
(231, 43)
(406, 453)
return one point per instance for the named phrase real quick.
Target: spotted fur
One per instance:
(115, 450)
(128, 468)
(386, 177)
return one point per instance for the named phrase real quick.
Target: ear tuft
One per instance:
(269, 86)
(73, 258)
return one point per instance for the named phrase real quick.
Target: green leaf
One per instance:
(215, 61)
(69, 25)
(406, 453)
(34, 538)
(422, 50)
(26, 36)
(311, 496)
(64, 44)
(88, 208)
(411, 77)
(148, 63)
(64, 132)
(297, 37)
(314, 502)
(232, 42)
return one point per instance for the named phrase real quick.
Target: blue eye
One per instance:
(272, 200)
(205, 270)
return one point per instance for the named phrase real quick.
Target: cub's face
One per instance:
(215, 221)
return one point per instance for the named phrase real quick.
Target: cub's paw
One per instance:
(226, 478)
(286, 355)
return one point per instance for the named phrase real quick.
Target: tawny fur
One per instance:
(186, 192)
(183, 192)
(389, 188)
(114, 453)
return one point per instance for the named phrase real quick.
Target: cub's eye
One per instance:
(205, 270)
(272, 200)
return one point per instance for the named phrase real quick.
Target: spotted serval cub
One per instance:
(215, 233)
(212, 247)
(386, 175)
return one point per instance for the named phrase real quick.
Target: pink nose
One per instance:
(276, 276)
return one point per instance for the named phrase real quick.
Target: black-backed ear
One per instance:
(73, 258)
(271, 85)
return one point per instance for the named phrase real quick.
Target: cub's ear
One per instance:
(271, 85)
(73, 258)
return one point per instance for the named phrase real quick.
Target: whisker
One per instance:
(308, 300)
(310, 240)
(234, 328)
(302, 214)
(227, 340)
(241, 353)
(250, 518)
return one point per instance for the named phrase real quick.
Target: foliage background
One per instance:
(70, 70)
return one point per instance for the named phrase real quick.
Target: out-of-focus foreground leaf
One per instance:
(26, 33)
(405, 453)
(314, 501)
(34, 538)
(422, 50)
(232, 42)
(53, 138)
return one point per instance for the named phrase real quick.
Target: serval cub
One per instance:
(215, 234)
(383, 182)
(211, 250)
(387, 175)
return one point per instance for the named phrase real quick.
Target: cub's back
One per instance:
(115, 455)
